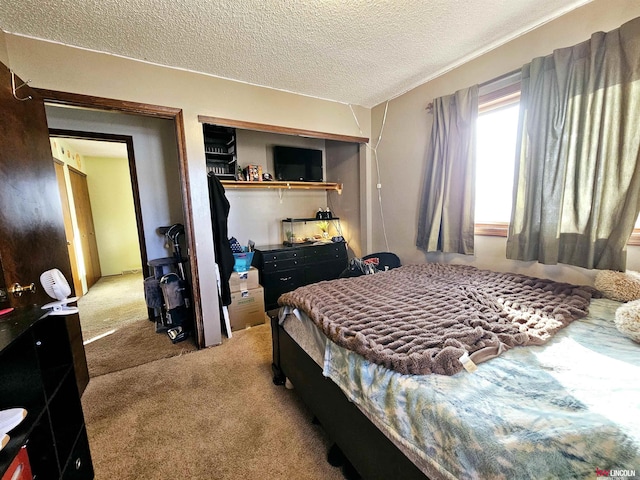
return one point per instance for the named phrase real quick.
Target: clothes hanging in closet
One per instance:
(219, 215)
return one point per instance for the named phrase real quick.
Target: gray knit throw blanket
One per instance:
(420, 319)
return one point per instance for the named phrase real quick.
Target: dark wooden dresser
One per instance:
(283, 268)
(37, 373)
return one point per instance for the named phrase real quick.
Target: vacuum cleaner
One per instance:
(178, 312)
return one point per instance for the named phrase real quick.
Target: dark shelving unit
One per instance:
(220, 151)
(37, 373)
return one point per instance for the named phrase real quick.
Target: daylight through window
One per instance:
(495, 158)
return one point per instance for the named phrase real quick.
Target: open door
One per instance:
(31, 222)
(68, 226)
(86, 228)
(32, 237)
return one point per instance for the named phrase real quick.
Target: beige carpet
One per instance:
(116, 328)
(111, 302)
(131, 345)
(212, 414)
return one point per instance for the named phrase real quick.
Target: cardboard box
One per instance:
(247, 308)
(244, 280)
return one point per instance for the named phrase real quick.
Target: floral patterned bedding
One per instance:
(561, 410)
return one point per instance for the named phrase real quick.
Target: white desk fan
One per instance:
(57, 287)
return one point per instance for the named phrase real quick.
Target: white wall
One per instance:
(114, 216)
(257, 214)
(4, 55)
(59, 67)
(343, 166)
(406, 133)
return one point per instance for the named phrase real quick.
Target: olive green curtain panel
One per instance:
(577, 178)
(446, 215)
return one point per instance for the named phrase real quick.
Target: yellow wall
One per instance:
(61, 150)
(406, 133)
(59, 67)
(113, 214)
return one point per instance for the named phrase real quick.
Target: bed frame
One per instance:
(371, 453)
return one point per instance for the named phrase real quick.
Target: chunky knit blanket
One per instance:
(420, 319)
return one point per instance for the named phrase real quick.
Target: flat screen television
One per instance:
(297, 164)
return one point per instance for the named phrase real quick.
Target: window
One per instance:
(635, 236)
(496, 134)
(496, 146)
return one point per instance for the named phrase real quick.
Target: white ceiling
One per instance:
(361, 52)
(95, 148)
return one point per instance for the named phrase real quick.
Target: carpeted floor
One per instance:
(116, 328)
(212, 414)
(111, 302)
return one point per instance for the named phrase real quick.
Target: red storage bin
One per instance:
(20, 469)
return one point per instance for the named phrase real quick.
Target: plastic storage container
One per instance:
(242, 261)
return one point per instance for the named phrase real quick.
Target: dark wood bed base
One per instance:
(372, 454)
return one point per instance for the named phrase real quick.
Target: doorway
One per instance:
(113, 313)
(98, 189)
(98, 185)
(161, 142)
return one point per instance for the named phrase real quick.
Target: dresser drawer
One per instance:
(280, 255)
(291, 277)
(277, 283)
(278, 265)
(315, 251)
(323, 271)
(331, 257)
(285, 269)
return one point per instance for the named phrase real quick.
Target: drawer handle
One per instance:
(284, 279)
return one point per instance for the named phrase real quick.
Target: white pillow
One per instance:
(628, 320)
(620, 286)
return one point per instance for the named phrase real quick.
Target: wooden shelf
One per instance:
(285, 185)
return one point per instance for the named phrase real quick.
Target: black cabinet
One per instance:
(283, 268)
(37, 373)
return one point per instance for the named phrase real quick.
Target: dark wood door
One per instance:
(32, 237)
(80, 192)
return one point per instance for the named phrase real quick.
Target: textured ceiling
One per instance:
(361, 52)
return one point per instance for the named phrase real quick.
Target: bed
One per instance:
(564, 406)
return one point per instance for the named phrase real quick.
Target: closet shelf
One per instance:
(285, 185)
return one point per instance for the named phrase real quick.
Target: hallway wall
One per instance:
(113, 214)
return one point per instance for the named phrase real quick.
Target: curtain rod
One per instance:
(429, 106)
